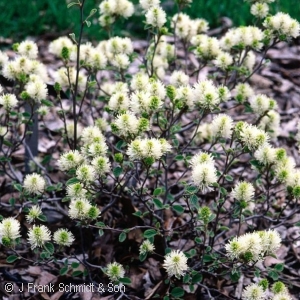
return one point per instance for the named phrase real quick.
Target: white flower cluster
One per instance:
(253, 247)
(204, 173)
(222, 126)
(208, 48)
(9, 231)
(259, 9)
(261, 104)
(186, 28)
(282, 24)
(175, 263)
(145, 149)
(34, 184)
(110, 9)
(114, 271)
(258, 291)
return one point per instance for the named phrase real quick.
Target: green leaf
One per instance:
(63, 271)
(125, 280)
(178, 208)
(179, 157)
(18, 187)
(100, 224)
(228, 177)
(273, 274)
(100, 232)
(177, 292)
(223, 191)
(12, 258)
(158, 203)
(7, 143)
(77, 273)
(207, 258)
(12, 201)
(72, 181)
(137, 213)
(143, 256)
(120, 144)
(196, 278)
(117, 171)
(149, 233)
(75, 265)
(157, 192)
(191, 189)
(71, 4)
(42, 218)
(47, 103)
(194, 201)
(122, 237)
(279, 267)
(49, 247)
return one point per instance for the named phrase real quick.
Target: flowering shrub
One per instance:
(145, 140)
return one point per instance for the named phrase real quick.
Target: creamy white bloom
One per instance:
(139, 81)
(85, 173)
(79, 208)
(63, 237)
(271, 241)
(146, 247)
(271, 123)
(249, 61)
(243, 191)
(252, 248)
(3, 59)
(175, 263)
(204, 175)
(38, 236)
(206, 94)
(260, 104)
(69, 160)
(28, 49)
(34, 184)
(36, 89)
(127, 124)
(259, 10)
(243, 91)
(253, 292)
(208, 49)
(9, 229)
(56, 46)
(156, 17)
(65, 77)
(101, 165)
(8, 101)
(147, 4)
(186, 95)
(265, 154)
(106, 20)
(95, 149)
(252, 137)
(119, 101)
(108, 7)
(76, 190)
(157, 88)
(92, 134)
(179, 78)
(223, 60)
(200, 158)
(115, 271)
(124, 8)
(33, 214)
(282, 296)
(222, 126)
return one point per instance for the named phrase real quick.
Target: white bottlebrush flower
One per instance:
(127, 124)
(36, 89)
(34, 184)
(222, 126)
(124, 8)
(56, 46)
(259, 10)
(261, 104)
(270, 240)
(254, 292)
(108, 7)
(29, 49)
(156, 17)
(265, 154)
(139, 81)
(33, 214)
(63, 237)
(120, 61)
(157, 88)
(252, 137)
(38, 236)
(243, 191)
(92, 134)
(69, 160)
(8, 101)
(119, 101)
(179, 78)
(101, 165)
(115, 271)
(202, 157)
(249, 61)
(206, 95)
(282, 24)
(106, 20)
(3, 59)
(208, 49)
(271, 123)
(76, 191)
(96, 149)
(234, 248)
(70, 129)
(242, 92)
(252, 247)
(223, 60)
(186, 95)
(79, 209)
(175, 263)
(147, 4)
(9, 230)
(43, 110)
(85, 173)
(282, 296)
(146, 247)
(204, 176)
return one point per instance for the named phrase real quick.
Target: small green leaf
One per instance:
(178, 208)
(228, 177)
(122, 237)
(12, 201)
(100, 224)
(100, 232)
(42, 218)
(279, 267)
(158, 203)
(12, 258)
(49, 247)
(194, 201)
(179, 157)
(72, 181)
(196, 278)
(149, 233)
(125, 280)
(18, 187)
(177, 292)
(142, 256)
(157, 192)
(77, 273)
(273, 274)
(47, 103)
(75, 265)
(120, 144)
(117, 171)
(63, 271)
